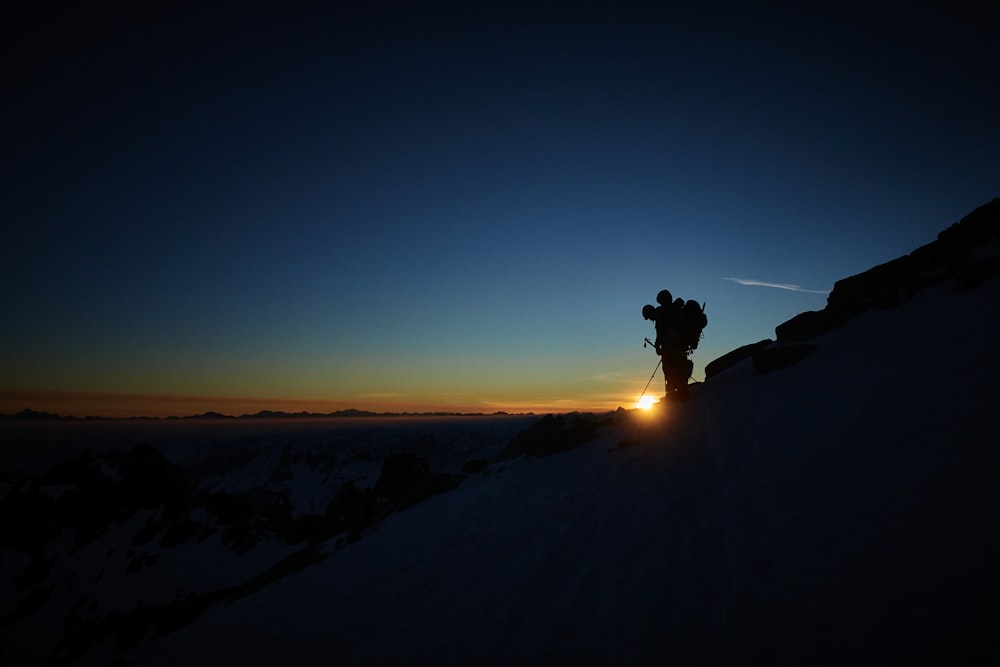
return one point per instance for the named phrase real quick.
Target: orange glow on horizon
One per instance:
(123, 405)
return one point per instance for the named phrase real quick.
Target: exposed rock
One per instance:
(886, 286)
(734, 357)
(807, 325)
(353, 510)
(974, 229)
(550, 435)
(407, 479)
(473, 466)
(971, 275)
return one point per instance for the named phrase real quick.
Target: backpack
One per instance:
(692, 321)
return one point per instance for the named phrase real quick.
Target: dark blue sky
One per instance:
(413, 204)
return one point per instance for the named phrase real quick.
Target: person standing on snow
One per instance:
(670, 344)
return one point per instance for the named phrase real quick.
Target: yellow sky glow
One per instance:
(119, 405)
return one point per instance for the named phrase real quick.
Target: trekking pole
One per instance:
(650, 380)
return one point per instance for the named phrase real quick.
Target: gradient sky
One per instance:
(422, 206)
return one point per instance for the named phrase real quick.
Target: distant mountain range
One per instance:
(36, 415)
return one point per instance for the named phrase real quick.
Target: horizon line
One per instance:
(120, 405)
(30, 414)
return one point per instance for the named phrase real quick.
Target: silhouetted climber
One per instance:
(678, 330)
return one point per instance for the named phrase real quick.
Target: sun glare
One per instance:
(646, 402)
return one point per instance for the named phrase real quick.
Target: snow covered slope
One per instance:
(841, 510)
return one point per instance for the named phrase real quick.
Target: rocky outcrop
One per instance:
(890, 284)
(808, 325)
(953, 255)
(407, 479)
(734, 357)
(975, 273)
(550, 435)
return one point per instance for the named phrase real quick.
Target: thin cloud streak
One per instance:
(784, 286)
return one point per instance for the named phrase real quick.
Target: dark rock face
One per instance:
(973, 230)
(550, 435)
(407, 479)
(734, 357)
(973, 274)
(889, 284)
(80, 496)
(807, 325)
(475, 465)
(884, 286)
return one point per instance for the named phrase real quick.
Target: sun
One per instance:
(645, 403)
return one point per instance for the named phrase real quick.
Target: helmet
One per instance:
(648, 312)
(664, 297)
